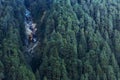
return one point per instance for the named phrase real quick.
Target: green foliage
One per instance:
(11, 64)
(79, 40)
(83, 34)
(1, 70)
(25, 74)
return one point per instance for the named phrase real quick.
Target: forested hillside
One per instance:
(77, 40)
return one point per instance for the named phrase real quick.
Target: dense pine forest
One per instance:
(76, 40)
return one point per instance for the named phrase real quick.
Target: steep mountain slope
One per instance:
(80, 36)
(12, 64)
(78, 40)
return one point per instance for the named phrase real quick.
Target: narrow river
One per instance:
(30, 28)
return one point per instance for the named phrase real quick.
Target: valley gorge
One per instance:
(76, 40)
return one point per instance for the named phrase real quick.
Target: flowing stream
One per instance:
(30, 28)
(30, 40)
